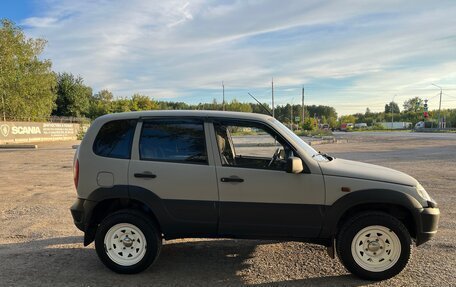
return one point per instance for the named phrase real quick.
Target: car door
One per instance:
(257, 197)
(173, 171)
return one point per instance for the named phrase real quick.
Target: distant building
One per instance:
(396, 125)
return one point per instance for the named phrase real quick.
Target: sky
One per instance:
(347, 54)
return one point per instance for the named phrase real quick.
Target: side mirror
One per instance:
(282, 154)
(294, 165)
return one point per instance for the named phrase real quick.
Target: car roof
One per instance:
(183, 113)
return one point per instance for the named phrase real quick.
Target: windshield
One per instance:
(309, 150)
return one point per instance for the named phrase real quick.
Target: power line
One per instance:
(449, 96)
(371, 89)
(436, 95)
(223, 88)
(440, 104)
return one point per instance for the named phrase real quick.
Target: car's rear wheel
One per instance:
(127, 242)
(374, 245)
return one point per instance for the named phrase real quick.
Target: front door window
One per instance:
(251, 145)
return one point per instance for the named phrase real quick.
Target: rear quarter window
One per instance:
(115, 139)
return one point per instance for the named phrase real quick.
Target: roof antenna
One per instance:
(265, 108)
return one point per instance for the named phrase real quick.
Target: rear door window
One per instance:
(173, 140)
(115, 139)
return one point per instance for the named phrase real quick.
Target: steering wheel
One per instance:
(275, 156)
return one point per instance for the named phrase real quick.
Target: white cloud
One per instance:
(168, 48)
(37, 22)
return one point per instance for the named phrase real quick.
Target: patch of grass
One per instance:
(380, 130)
(314, 133)
(244, 133)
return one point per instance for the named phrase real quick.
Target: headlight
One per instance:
(423, 193)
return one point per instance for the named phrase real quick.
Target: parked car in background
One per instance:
(360, 126)
(324, 127)
(425, 125)
(346, 126)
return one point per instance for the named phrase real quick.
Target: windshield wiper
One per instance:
(330, 158)
(325, 155)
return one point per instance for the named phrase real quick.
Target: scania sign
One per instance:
(4, 130)
(36, 131)
(25, 131)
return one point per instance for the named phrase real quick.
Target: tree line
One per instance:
(412, 111)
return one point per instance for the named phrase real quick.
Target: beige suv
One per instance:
(142, 177)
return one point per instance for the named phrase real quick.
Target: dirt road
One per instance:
(40, 246)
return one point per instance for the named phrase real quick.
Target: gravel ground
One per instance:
(41, 247)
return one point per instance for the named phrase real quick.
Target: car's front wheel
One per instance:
(374, 245)
(127, 242)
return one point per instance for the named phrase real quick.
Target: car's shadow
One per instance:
(64, 261)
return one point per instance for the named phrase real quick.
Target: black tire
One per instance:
(359, 222)
(152, 243)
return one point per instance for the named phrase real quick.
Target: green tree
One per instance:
(104, 95)
(347, 119)
(415, 104)
(320, 111)
(332, 121)
(257, 108)
(236, 106)
(121, 105)
(26, 83)
(73, 97)
(142, 103)
(101, 104)
(310, 124)
(450, 118)
(392, 105)
(163, 105)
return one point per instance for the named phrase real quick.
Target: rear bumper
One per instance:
(81, 210)
(427, 224)
(77, 211)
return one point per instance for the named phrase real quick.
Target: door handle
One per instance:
(231, 179)
(145, 175)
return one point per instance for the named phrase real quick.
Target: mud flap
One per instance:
(331, 249)
(89, 235)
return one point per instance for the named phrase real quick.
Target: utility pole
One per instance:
(3, 103)
(3, 97)
(440, 103)
(291, 116)
(392, 112)
(223, 91)
(272, 93)
(302, 106)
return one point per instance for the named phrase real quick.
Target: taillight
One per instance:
(76, 173)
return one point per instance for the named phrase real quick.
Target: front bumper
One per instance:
(427, 224)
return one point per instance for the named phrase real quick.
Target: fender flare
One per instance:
(120, 192)
(167, 221)
(337, 210)
(148, 198)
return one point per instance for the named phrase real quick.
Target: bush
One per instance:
(378, 126)
(310, 124)
(315, 133)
